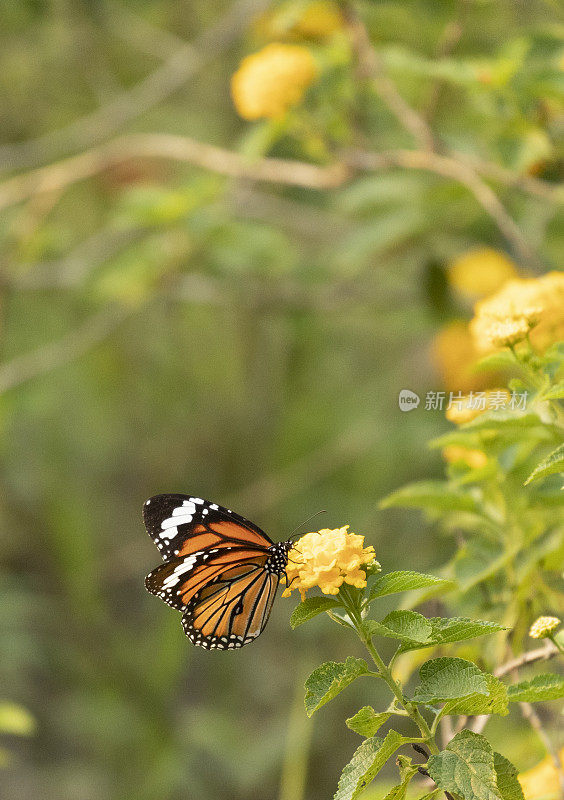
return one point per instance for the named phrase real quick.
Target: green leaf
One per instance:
(329, 679)
(539, 689)
(405, 581)
(555, 392)
(367, 722)
(507, 782)
(398, 792)
(466, 768)
(551, 464)
(409, 627)
(310, 608)
(495, 702)
(16, 720)
(365, 764)
(457, 629)
(449, 678)
(502, 420)
(432, 496)
(502, 360)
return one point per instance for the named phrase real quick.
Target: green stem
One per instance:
(385, 672)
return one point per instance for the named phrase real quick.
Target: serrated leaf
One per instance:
(431, 496)
(404, 581)
(409, 627)
(552, 463)
(494, 702)
(506, 778)
(541, 688)
(448, 679)
(328, 680)
(16, 720)
(311, 607)
(466, 768)
(365, 764)
(366, 722)
(457, 629)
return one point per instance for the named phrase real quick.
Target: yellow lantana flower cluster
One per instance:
(273, 80)
(534, 305)
(480, 272)
(328, 558)
(543, 627)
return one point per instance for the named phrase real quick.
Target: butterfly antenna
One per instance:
(317, 513)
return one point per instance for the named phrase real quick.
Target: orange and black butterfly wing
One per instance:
(182, 525)
(233, 609)
(179, 580)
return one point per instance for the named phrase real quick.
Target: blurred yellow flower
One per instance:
(319, 20)
(543, 627)
(542, 781)
(534, 305)
(480, 272)
(470, 406)
(328, 558)
(273, 80)
(454, 354)
(473, 458)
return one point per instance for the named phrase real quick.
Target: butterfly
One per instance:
(220, 570)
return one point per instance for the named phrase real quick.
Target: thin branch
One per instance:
(460, 172)
(130, 104)
(526, 183)
(137, 31)
(54, 354)
(371, 67)
(531, 657)
(168, 146)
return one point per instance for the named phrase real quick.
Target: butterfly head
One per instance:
(278, 559)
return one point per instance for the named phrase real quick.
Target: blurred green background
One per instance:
(164, 328)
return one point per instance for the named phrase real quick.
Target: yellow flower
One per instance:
(480, 272)
(542, 780)
(470, 406)
(454, 355)
(520, 306)
(319, 20)
(328, 558)
(473, 458)
(543, 627)
(273, 80)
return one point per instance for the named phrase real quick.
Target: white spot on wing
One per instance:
(186, 566)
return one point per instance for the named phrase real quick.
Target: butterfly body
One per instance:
(220, 569)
